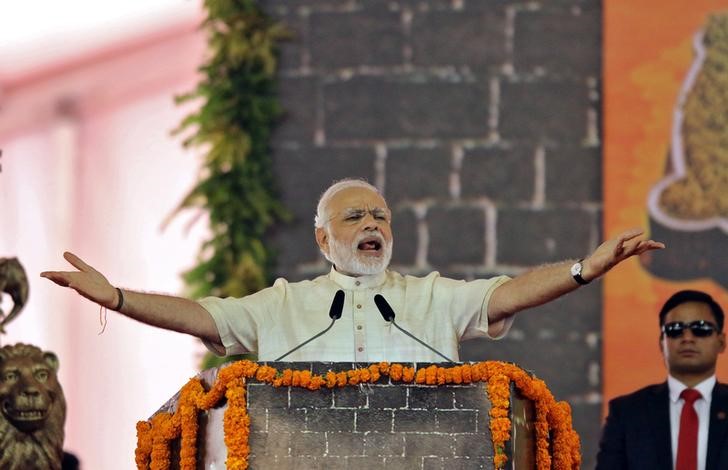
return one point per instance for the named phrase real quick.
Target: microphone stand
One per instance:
(422, 342)
(307, 341)
(337, 305)
(388, 314)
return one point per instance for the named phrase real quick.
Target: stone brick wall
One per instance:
(385, 424)
(480, 121)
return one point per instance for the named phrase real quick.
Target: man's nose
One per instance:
(370, 222)
(688, 335)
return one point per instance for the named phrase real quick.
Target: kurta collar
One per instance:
(357, 283)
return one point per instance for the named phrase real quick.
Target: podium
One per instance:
(487, 415)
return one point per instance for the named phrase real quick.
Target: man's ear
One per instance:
(322, 239)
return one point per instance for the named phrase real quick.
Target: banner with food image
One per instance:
(665, 169)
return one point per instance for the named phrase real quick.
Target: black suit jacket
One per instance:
(636, 435)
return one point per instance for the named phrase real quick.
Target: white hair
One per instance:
(322, 215)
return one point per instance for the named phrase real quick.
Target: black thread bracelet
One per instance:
(121, 300)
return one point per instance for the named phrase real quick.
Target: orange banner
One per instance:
(664, 115)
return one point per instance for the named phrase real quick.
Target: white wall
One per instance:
(89, 166)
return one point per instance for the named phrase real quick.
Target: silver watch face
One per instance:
(576, 269)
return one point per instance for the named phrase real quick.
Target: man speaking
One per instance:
(353, 230)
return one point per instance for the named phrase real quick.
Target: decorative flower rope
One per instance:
(557, 444)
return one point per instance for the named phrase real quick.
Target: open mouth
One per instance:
(23, 414)
(370, 245)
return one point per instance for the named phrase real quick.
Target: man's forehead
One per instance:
(357, 198)
(691, 311)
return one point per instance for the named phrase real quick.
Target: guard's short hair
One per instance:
(685, 296)
(322, 215)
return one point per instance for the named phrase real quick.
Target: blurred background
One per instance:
(504, 134)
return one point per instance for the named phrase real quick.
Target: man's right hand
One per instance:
(86, 281)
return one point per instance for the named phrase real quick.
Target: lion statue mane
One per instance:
(33, 409)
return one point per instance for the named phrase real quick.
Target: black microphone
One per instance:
(337, 306)
(388, 315)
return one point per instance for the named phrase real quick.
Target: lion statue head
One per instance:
(33, 409)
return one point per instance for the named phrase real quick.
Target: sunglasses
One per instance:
(699, 328)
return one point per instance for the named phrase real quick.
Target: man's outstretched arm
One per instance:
(164, 311)
(546, 283)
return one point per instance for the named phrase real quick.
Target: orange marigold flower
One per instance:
(330, 379)
(408, 374)
(395, 372)
(374, 373)
(553, 427)
(341, 379)
(442, 376)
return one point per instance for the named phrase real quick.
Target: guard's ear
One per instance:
(322, 239)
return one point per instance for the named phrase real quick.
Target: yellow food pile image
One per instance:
(703, 192)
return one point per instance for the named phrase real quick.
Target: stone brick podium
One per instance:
(379, 425)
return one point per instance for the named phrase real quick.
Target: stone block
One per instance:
(286, 420)
(415, 174)
(560, 39)
(463, 444)
(331, 420)
(302, 398)
(505, 176)
(265, 396)
(473, 38)
(544, 111)
(573, 174)
(344, 444)
(406, 237)
(414, 421)
(297, 97)
(349, 397)
(470, 399)
(388, 397)
(402, 463)
(423, 398)
(433, 444)
(384, 444)
(291, 50)
(374, 420)
(304, 173)
(356, 38)
(530, 237)
(405, 107)
(456, 421)
(358, 463)
(467, 463)
(270, 444)
(467, 247)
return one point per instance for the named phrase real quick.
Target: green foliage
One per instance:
(233, 125)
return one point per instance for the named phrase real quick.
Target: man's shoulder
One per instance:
(307, 282)
(642, 395)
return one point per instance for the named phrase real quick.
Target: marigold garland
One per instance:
(557, 444)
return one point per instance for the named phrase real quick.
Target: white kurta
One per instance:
(439, 311)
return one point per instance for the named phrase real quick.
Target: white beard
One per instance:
(348, 260)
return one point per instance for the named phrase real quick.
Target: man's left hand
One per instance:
(614, 251)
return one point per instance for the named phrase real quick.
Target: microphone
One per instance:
(337, 306)
(388, 315)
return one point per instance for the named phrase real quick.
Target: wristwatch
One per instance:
(576, 270)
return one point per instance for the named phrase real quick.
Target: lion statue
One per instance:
(33, 409)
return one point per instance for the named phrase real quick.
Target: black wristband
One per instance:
(121, 300)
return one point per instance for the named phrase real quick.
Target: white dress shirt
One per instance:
(437, 310)
(702, 408)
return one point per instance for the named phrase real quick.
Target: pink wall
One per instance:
(89, 166)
